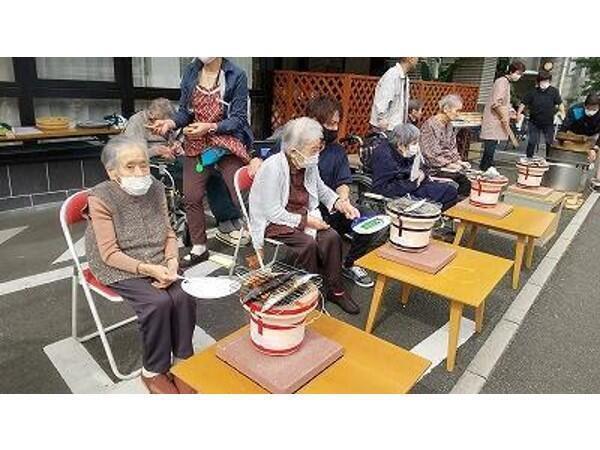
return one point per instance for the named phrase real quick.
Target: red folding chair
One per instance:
(72, 212)
(242, 182)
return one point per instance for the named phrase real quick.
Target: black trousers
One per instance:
(167, 318)
(487, 157)
(534, 133)
(322, 255)
(361, 244)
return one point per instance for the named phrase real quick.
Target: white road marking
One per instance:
(83, 375)
(79, 249)
(5, 235)
(77, 368)
(435, 347)
(9, 287)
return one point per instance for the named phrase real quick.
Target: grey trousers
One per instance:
(167, 318)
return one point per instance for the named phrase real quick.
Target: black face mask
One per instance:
(329, 136)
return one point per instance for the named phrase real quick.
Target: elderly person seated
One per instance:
(132, 249)
(398, 169)
(284, 205)
(139, 126)
(438, 144)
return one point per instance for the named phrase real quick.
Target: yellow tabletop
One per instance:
(468, 278)
(521, 220)
(369, 366)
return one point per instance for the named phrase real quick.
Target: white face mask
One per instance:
(412, 150)
(136, 185)
(590, 112)
(544, 85)
(207, 59)
(308, 161)
(515, 77)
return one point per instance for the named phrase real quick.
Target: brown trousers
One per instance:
(321, 255)
(194, 191)
(167, 318)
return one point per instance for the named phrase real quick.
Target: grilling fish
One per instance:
(297, 283)
(267, 287)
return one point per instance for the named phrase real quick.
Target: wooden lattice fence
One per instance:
(292, 90)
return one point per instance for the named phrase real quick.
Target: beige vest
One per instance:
(140, 227)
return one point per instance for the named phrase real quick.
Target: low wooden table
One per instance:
(369, 366)
(466, 281)
(526, 224)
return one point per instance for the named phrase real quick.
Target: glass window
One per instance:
(9, 111)
(158, 72)
(6, 70)
(87, 69)
(77, 109)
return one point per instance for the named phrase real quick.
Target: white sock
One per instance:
(198, 249)
(148, 374)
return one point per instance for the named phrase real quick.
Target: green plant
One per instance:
(446, 72)
(593, 74)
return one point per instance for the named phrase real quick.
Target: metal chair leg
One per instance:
(236, 252)
(74, 287)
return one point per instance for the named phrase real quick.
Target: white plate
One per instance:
(210, 287)
(372, 224)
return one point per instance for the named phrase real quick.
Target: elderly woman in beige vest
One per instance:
(132, 249)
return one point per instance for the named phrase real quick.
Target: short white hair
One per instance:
(299, 132)
(110, 152)
(450, 101)
(162, 107)
(403, 134)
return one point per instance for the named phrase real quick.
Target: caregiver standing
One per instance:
(214, 111)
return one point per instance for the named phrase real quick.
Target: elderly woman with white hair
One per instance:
(284, 205)
(438, 144)
(398, 169)
(131, 248)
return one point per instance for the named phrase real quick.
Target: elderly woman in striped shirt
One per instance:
(438, 144)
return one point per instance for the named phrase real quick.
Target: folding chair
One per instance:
(242, 182)
(72, 212)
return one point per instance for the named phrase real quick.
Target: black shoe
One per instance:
(345, 302)
(191, 259)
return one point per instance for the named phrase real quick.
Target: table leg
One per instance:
(460, 231)
(479, 317)
(519, 251)
(529, 254)
(377, 294)
(405, 293)
(453, 332)
(472, 236)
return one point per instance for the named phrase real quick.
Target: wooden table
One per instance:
(369, 366)
(60, 134)
(466, 281)
(526, 224)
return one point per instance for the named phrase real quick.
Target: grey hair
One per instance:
(110, 152)
(162, 106)
(403, 134)
(299, 132)
(450, 101)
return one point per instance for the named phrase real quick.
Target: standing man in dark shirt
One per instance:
(542, 104)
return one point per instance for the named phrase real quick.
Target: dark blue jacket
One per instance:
(391, 172)
(236, 95)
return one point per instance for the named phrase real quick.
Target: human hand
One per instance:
(253, 166)
(345, 207)
(316, 223)
(421, 177)
(197, 129)
(465, 164)
(163, 277)
(162, 126)
(592, 155)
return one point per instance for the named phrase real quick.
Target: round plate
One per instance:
(372, 224)
(210, 287)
